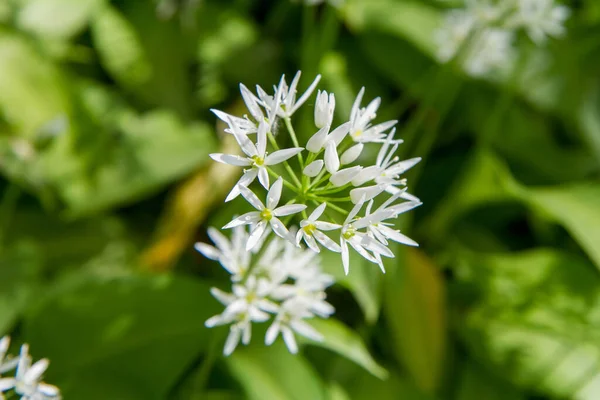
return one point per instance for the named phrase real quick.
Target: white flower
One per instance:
(540, 18)
(491, 49)
(313, 169)
(345, 176)
(311, 231)
(27, 381)
(256, 158)
(266, 215)
(359, 241)
(324, 108)
(289, 105)
(290, 320)
(6, 364)
(242, 125)
(329, 141)
(390, 166)
(247, 304)
(457, 26)
(360, 121)
(231, 255)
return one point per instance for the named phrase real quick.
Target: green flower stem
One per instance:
(285, 182)
(287, 166)
(7, 208)
(331, 206)
(290, 128)
(319, 179)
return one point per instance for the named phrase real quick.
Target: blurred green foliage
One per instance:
(105, 125)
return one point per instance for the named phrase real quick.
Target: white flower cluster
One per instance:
(322, 178)
(283, 283)
(482, 34)
(26, 381)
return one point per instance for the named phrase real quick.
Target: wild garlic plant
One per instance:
(26, 383)
(316, 193)
(483, 33)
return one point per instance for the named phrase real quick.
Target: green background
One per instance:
(105, 132)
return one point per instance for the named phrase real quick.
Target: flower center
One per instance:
(258, 161)
(266, 214)
(310, 229)
(349, 232)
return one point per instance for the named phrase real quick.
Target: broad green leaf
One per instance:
(367, 387)
(414, 21)
(134, 335)
(536, 320)
(577, 208)
(20, 267)
(364, 281)
(484, 180)
(56, 18)
(151, 151)
(119, 47)
(416, 315)
(476, 383)
(272, 373)
(347, 343)
(33, 90)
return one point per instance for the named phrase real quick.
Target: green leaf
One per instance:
(56, 18)
(536, 320)
(119, 47)
(272, 373)
(125, 338)
(347, 343)
(364, 281)
(577, 208)
(415, 311)
(32, 89)
(151, 151)
(476, 383)
(366, 387)
(414, 21)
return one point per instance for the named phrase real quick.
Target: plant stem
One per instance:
(287, 166)
(290, 128)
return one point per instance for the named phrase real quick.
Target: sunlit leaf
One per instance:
(272, 373)
(347, 343)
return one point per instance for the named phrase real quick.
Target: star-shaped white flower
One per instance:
(290, 319)
(265, 215)
(289, 105)
(310, 231)
(541, 18)
(360, 241)
(360, 121)
(232, 255)
(256, 158)
(28, 380)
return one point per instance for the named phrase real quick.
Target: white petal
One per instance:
(246, 179)
(246, 333)
(354, 211)
(289, 339)
(326, 226)
(256, 234)
(280, 156)
(356, 105)
(313, 169)
(396, 236)
(344, 176)
(306, 330)
(404, 207)
(403, 166)
(339, 133)
(272, 333)
(345, 256)
(246, 145)
(251, 103)
(288, 210)
(207, 251)
(6, 384)
(351, 154)
(261, 138)
(244, 219)
(223, 297)
(366, 193)
(280, 229)
(251, 198)
(231, 159)
(316, 141)
(373, 245)
(232, 340)
(36, 370)
(367, 174)
(327, 242)
(274, 194)
(48, 390)
(332, 162)
(317, 212)
(263, 177)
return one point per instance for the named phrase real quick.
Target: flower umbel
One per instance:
(324, 179)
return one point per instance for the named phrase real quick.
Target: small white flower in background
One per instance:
(284, 284)
(27, 381)
(487, 31)
(232, 255)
